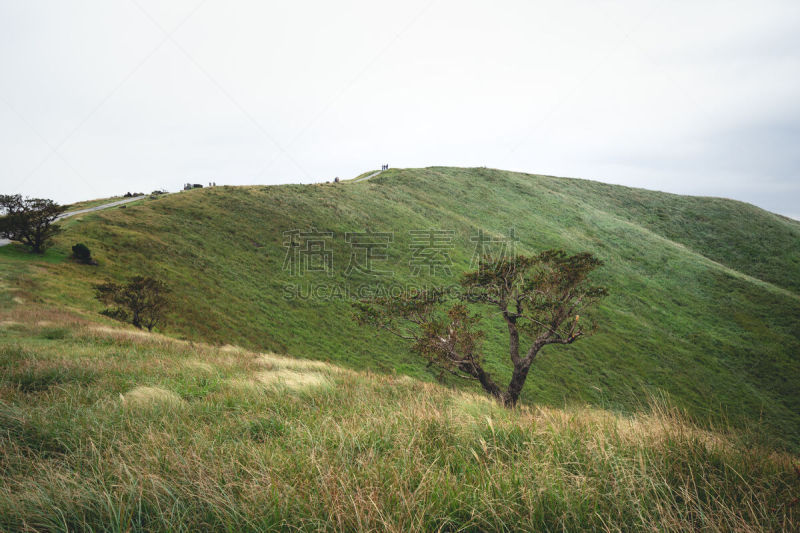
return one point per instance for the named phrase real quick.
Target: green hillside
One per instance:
(738, 235)
(704, 298)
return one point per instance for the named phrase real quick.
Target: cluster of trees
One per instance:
(540, 299)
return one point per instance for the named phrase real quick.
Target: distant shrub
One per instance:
(142, 300)
(82, 254)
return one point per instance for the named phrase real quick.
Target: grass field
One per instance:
(703, 307)
(113, 429)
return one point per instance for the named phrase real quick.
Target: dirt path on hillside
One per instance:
(365, 178)
(3, 242)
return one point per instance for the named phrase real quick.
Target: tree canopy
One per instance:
(540, 298)
(142, 300)
(29, 220)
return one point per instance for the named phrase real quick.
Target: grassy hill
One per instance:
(704, 301)
(113, 429)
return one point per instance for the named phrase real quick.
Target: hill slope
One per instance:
(108, 429)
(700, 306)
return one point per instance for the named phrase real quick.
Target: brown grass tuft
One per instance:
(148, 396)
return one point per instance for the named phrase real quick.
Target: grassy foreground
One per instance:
(110, 429)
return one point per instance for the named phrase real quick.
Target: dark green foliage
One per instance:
(82, 254)
(143, 299)
(116, 313)
(539, 297)
(29, 221)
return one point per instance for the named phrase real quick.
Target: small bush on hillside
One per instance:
(82, 254)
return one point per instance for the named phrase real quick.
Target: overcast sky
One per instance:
(101, 97)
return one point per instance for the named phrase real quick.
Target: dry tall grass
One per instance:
(117, 430)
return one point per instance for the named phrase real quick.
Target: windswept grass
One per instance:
(129, 431)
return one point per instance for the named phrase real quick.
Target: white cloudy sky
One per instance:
(98, 97)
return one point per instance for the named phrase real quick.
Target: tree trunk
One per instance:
(513, 339)
(488, 383)
(520, 374)
(518, 378)
(38, 242)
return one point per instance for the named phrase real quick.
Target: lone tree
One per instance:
(142, 300)
(29, 221)
(539, 298)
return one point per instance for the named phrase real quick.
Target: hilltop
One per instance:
(704, 292)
